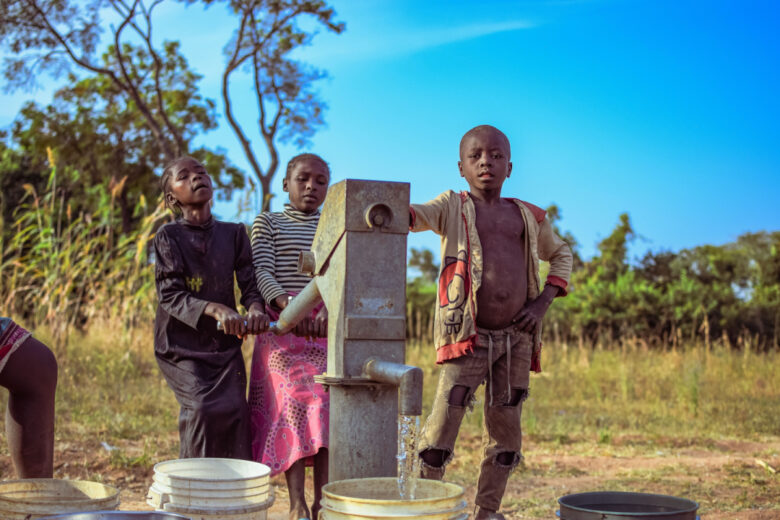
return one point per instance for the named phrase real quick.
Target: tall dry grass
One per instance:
(110, 389)
(66, 269)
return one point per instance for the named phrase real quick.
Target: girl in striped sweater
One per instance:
(289, 410)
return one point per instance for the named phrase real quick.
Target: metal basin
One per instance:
(118, 515)
(618, 505)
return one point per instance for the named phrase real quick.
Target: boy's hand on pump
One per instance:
(256, 320)
(232, 322)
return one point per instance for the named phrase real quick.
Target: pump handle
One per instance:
(271, 326)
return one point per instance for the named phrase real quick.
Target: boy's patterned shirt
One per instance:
(453, 216)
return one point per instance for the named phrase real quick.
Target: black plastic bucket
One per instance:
(619, 505)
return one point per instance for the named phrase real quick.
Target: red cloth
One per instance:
(11, 338)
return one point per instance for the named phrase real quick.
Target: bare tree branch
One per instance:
(233, 63)
(132, 90)
(147, 37)
(62, 41)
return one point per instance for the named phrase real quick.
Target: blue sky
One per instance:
(666, 110)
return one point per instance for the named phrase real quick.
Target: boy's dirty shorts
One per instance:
(502, 360)
(11, 338)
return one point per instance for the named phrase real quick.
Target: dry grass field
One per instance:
(700, 424)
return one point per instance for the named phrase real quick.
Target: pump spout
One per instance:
(408, 379)
(298, 308)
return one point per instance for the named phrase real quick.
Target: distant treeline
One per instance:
(728, 293)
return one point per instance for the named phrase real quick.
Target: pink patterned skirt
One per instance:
(289, 410)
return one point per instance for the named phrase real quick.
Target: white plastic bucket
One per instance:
(39, 497)
(359, 499)
(256, 512)
(118, 515)
(209, 497)
(212, 488)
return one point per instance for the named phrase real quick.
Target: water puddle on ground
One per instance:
(408, 461)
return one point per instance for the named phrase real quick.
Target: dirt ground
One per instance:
(729, 479)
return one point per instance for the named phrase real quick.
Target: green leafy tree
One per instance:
(421, 294)
(728, 293)
(54, 36)
(603, 294)
(96, 132)
(17, 170)
(423, 261)
(613, 250)
(137, 108)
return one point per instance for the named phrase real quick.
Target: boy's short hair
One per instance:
(302, 157)
(485, 128)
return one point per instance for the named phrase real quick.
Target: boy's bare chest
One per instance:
(500, 228)
(504, 286)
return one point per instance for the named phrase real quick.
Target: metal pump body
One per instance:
(358, 264)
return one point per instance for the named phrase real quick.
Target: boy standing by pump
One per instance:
(490, 309)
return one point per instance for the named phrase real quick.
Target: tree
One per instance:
(614, 248)
(138, 108)
(422, 260)
(288, 108)
(97, 132)
(55, 35)
(17, 169)
(421, 295)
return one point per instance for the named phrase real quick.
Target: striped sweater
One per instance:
(277, 238)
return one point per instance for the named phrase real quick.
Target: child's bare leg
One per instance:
(30, 375)
(320, 479)
(296, 487)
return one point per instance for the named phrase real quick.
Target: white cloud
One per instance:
(357, 46)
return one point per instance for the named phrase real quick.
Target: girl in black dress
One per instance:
(197, 259)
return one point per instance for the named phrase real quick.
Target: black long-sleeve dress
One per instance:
(195, 265)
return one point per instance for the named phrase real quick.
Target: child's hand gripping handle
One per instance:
(271, 326)
(231, 322)
(299, 308)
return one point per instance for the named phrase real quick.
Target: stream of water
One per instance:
(408, 461)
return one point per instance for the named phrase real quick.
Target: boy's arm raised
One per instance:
(432, 215)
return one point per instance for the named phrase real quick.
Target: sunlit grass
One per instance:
(601, 394)
(587, 407)
(111, 388)
(642, 410)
